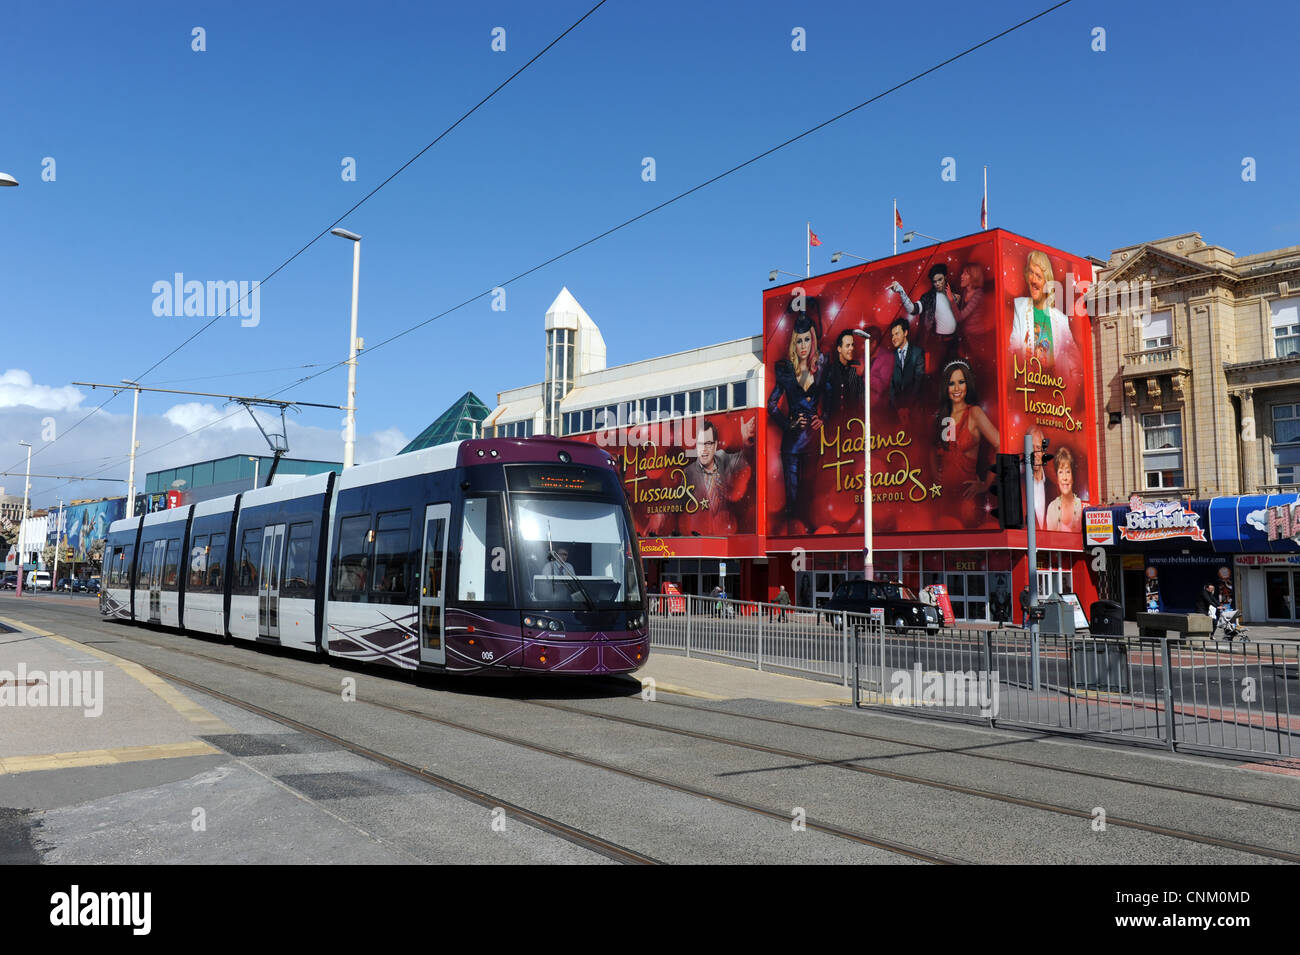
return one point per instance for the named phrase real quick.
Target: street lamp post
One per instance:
(909, 236)
(349, 441)
(257, 470)
(771, 276)
(836, 256)
(58, 522)
(22, 522)
(868, 565)
(130, 480)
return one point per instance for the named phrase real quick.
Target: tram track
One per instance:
(851, 766)
(812, 759)
(541, 821)
(1010, 760)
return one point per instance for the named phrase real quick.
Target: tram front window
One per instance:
(574, 554)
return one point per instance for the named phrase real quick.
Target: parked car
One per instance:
(903, 611)
(10, 581)
(92, 585)
(64, 584)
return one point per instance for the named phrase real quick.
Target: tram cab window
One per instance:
(483, 575)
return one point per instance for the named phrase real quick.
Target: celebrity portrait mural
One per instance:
(1048, 357)
(963, 347)
(918, 333)
(688, 477)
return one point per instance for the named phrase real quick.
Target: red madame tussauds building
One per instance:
(973, 343)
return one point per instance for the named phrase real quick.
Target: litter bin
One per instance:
(1100, 664)
(1058, 617)
(1106, 619)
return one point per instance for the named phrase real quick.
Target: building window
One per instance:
(1157, 330)
(739, 397)
(1162, 449)
(1286, 326)
(1286, 443)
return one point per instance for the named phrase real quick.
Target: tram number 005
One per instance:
(486, 654)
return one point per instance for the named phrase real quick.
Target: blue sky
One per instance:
(220, 164)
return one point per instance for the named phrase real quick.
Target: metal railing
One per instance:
(1212, 695)
(766, 636)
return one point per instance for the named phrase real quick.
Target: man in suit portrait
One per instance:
(937, 311)
(909, 370)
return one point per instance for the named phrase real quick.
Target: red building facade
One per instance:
(971, 344)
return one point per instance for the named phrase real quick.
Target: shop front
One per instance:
(1259, 533)
(1155, 555)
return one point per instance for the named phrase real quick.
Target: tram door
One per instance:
(155, 581)
(141, 581)
(433, 578)
(268, 582)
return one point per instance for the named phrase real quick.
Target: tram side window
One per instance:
(198, 563)
(299, 569)
(250, 558)
(350, 570)
(146, 566)
(391, 572)
(124, 580)
(482, 571)
(171, 565)
(217, 562)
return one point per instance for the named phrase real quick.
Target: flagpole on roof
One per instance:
(807, 238)
(984, 210)
(893, 227)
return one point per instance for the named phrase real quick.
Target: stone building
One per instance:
(1197, 365)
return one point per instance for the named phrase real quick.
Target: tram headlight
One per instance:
(554, 625)
(565, 457)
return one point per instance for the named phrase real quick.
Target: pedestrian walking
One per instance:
(783, 598)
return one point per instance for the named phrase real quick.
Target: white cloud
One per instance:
(18, 390)
(99, 446)
(197, 414)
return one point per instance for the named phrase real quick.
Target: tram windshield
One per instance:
(574, 554)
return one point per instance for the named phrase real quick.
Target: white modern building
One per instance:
(581, 395)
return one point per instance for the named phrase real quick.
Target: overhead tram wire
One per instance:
(682, 195)
(663, 205)
(470, 112)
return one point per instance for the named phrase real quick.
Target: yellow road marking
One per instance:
(103, 757)
(178, 701)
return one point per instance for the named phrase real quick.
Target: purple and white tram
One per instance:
(506, 556)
